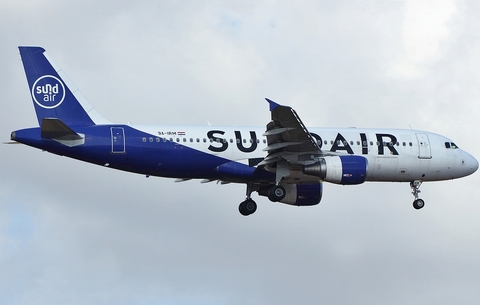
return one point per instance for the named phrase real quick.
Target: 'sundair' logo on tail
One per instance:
(48, 91)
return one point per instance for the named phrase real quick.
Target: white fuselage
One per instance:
(397, 155)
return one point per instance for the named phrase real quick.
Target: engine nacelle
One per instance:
(298, 194)
(340, 169)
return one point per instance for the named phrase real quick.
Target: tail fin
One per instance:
(53, 94)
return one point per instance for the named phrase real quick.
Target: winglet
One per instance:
(273, 105)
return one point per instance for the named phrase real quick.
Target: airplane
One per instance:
(285, 161)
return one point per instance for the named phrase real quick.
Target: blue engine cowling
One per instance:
(298, 194)
(345, 170)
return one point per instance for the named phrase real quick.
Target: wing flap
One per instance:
(280, 145)
(289, 143)
(287, 132)
(286, 127)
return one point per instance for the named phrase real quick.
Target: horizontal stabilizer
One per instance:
(55, 129)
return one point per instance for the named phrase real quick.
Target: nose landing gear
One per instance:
(417, 203)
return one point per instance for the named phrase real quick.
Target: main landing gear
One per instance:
(248, 206)
(417, 203)
(276, 193)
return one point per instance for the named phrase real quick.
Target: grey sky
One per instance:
(75, 233)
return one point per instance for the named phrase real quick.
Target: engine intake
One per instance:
(346, 170)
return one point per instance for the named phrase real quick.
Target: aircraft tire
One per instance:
(418, 204)
(276, 193)
(247, 207)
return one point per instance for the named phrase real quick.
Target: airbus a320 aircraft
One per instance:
(286, 161)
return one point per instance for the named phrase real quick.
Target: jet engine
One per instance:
(346, 170)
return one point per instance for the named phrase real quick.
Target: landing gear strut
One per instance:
(248, 206)
(417, 203)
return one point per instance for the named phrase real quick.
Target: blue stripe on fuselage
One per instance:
(143, 156)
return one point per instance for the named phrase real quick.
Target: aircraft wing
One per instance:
(288, 138)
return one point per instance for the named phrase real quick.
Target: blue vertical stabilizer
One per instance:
(53, 94)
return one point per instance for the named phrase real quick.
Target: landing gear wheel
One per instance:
(415, 186)
(276, 193)
(418, 204)
(247, 207)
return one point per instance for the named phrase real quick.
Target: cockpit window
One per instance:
(451, 145)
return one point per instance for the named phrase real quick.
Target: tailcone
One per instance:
(30, 136)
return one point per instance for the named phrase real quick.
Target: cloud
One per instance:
(75, 233)
(427, 34)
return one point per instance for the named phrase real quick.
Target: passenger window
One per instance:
(411, 144)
